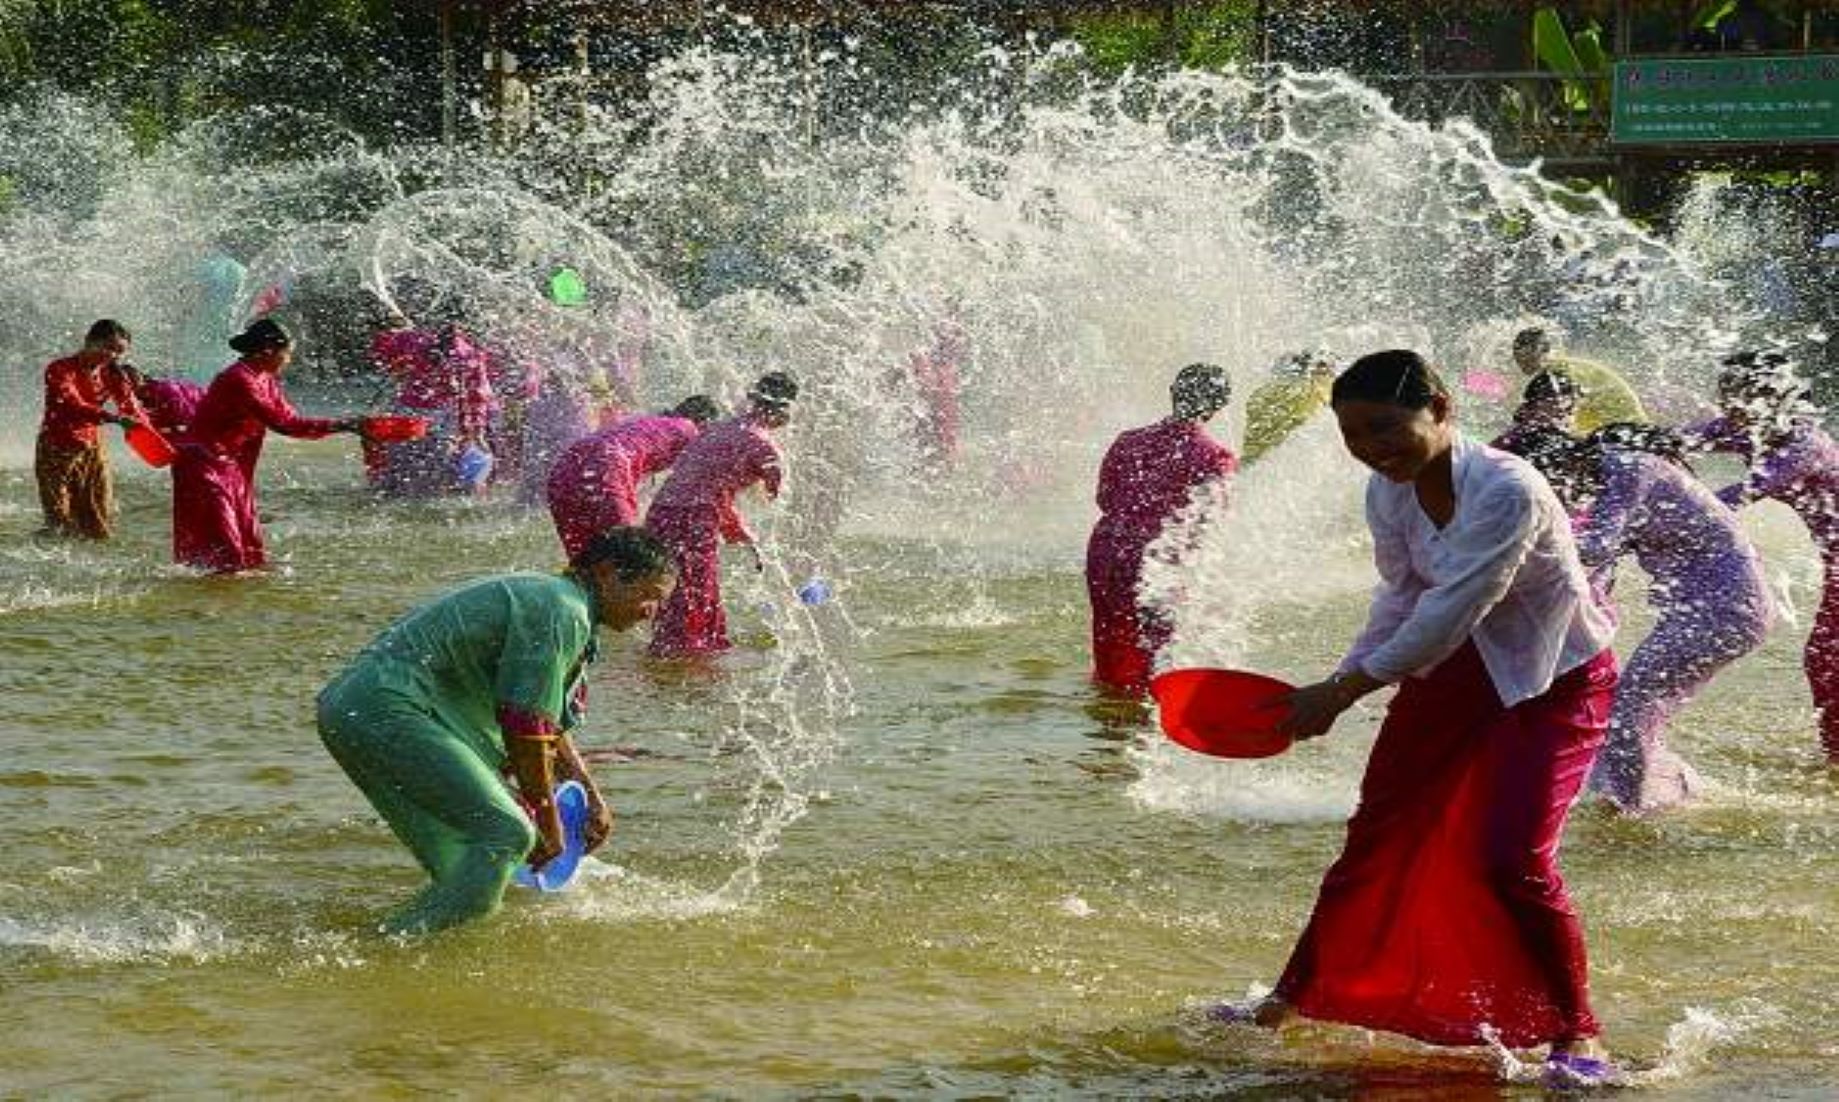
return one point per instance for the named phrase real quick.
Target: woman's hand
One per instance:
(599, 826)
(549, 838)
(1314, 709)
(571, 767)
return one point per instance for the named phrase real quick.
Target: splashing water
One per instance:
(1086, 238)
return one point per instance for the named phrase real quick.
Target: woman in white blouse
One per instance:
(1445, 917)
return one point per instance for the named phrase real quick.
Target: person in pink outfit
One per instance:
(694, 514)
(171, 403)
(442, 373)
(214, 518)
(1145, 481)
(1768, 421)
(594, 484)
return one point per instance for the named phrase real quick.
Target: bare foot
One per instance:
(1273, 1013)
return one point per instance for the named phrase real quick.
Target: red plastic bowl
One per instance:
(395, 429)
(155, 450)
(1225, 713)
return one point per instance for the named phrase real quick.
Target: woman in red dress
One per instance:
(1446, 917)
(215, 526)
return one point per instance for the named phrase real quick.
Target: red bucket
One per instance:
(395, 429)
(153, 448)
(1225, 713)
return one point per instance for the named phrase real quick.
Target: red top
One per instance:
(1148, 474)
(727, 458)
(240, 407)
(73, 402)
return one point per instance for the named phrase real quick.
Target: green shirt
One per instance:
(1603, 396)
(516, 640)
(1280, 407)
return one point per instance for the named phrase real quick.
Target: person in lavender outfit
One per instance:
(1769, 422)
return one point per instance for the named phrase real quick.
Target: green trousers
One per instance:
(440, 797)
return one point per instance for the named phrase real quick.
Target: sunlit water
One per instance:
(894, 844)
(997, 887)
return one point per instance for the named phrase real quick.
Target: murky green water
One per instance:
(994, 891)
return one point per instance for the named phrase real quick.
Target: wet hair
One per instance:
(1635, 436)
(774, 390)
(107, 329)
(1200, 390)
(1767, 377)
(1396, 377)
(699, 408)
(1303, 364)
(634, 553)
(1526, 338)
(1550, 387)
(1546, 447)
(1567, 463)
(262, 336)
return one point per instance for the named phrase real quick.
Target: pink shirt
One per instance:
(1149, 473)
(240, 407)
(642, 445)
(727, 458)
(172, 405)
(439, 370)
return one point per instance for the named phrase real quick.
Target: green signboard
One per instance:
(1726, 99)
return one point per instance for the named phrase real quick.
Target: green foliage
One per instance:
(368, 65)
(1203, 36)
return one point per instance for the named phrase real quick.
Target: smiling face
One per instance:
(1396, 442)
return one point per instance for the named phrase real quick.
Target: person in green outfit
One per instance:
(1296, 391)
(1603, 396)
(476, 688)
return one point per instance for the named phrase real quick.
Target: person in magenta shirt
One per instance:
(594, 484)
(1146, 480)
(1768, 421)
(444, 374)
(171, 403)
(694, 514)
(215, 526)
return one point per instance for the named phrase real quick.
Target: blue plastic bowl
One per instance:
(571, 801)
(473, 466)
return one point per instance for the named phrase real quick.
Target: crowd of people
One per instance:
(1445, 918)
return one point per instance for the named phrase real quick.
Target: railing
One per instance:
(1528, 114)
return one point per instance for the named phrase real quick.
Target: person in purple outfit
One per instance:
(1633, 494)
(1768, 421)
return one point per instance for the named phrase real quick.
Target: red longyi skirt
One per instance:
(1445, 917)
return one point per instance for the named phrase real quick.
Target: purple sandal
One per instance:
(1568, 1071)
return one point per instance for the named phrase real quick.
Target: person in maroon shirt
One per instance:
(214, 520)
(1144, 483)
(73, 474)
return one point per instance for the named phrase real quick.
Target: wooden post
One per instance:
(494, 80)
(449, 93)
(1171, 43)
(1625, 33)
